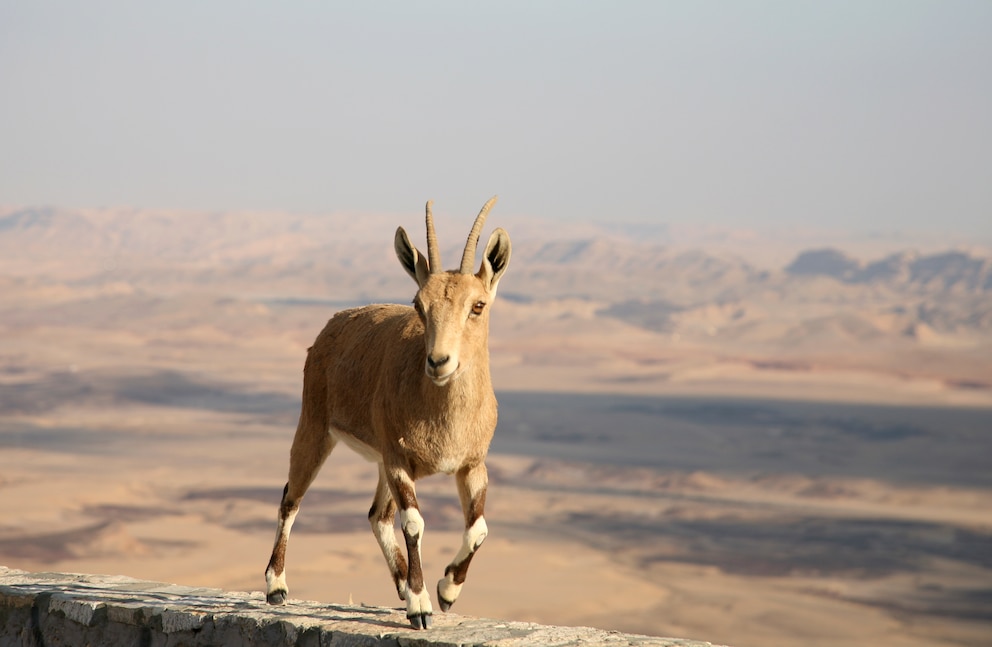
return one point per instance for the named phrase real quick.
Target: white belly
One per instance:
(360, 448)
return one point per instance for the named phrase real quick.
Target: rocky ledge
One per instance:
(63, 609)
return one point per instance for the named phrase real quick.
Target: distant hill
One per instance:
(905, 313)
(947, 271)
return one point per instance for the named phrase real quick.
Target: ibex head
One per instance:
(454, 306)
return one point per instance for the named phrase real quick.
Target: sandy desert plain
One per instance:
(734, 438)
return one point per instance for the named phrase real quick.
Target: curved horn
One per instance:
(433, 255)
(468, 256)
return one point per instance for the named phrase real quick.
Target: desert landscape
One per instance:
(741, 438)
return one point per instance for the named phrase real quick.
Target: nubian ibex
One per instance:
(408, 388)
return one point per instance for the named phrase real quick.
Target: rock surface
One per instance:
(61, 609)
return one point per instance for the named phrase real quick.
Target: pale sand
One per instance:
(198, 507)
(95, 482)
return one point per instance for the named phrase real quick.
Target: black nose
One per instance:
(440, 361)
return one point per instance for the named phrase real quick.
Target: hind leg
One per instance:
(382, 514)
(311, 446)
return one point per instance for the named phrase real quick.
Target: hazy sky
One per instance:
(868, 115)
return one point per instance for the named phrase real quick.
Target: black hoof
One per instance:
(445, 604)
(277, 597)
(420, 620)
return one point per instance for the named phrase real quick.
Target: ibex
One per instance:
(408, 388)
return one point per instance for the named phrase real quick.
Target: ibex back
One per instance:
(409, 388)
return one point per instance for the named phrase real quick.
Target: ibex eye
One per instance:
(478, 307)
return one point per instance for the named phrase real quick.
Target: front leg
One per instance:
(472, 483)
(418, 600)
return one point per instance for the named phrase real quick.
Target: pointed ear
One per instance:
(412, 260)
(496, 258)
